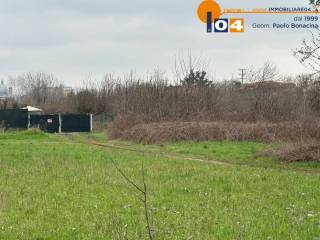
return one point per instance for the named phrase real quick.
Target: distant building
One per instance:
(67, 90)
(60, 91)
(5, 92)
(268, 85)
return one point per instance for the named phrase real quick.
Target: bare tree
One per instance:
(315, 4)
(267, 72)
(309, 52)
(187, 65)
(145, 197)
(36, 88)
(86, 101)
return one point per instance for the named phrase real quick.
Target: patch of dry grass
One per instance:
(212, 131)
(295, 152)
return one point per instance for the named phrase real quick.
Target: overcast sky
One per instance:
(72, 38)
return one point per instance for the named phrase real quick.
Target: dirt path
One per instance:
(157, 153)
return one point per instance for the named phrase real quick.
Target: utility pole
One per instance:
(242, 74)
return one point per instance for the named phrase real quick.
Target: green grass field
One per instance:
(66, 187)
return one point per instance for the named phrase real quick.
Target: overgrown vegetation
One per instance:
(61, 189)
(193, 95)
(211, 167)
(295, 152)
(129, 128)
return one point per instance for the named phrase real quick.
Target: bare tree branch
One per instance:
(144, 192)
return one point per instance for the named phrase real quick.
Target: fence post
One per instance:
(29, 124)
(91, 125)
(60, 122)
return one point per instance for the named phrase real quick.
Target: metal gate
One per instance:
(76, 123)
(46, 123)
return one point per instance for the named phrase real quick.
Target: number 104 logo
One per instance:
(209, 12)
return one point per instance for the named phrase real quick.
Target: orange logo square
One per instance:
(236, 25)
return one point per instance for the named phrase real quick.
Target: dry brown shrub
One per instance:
(295, 152)
(213, 131)
(100, 126)
(124, 122)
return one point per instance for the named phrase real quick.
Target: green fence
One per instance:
(47, 123)
(53, 123)
(76, 123)
(67, 123)
(14, 118)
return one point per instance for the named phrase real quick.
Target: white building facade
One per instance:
(5, 92)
